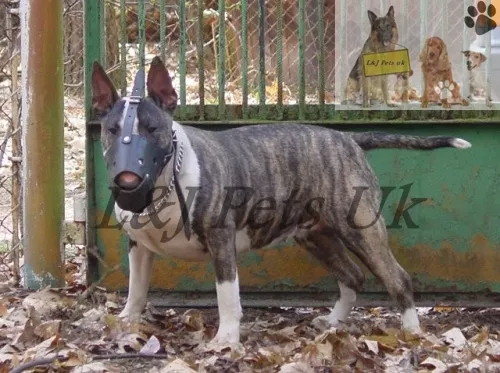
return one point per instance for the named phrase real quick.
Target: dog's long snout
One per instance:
(128, 180)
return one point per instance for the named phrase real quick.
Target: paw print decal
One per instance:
(443, 88)
(484, 22)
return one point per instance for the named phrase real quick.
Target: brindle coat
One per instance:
(255, 185)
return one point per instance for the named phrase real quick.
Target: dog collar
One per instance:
(155, 208)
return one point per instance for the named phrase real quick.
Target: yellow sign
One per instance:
(385, 63)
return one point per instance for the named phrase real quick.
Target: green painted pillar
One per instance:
(43, 137)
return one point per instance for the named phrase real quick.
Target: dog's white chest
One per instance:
(163, 233)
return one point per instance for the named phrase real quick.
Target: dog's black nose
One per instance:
(431, 54)
(128, 180)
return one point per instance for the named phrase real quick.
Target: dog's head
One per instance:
(404, 76)
(136, 132)
(473, 59)
(434, 54)
(384, 29)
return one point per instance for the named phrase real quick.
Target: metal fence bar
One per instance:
(364, 17)
(42, 59)
(465, 46)
(302, 62)
(222, 57)
(244, 57)
(423, 31)
(142, 32)
(487, 69)
(444, 18)
(182, 51)
(16, 153)
(404, 43)
(201, 61)
(279, 57)
(123, 44)
(321, 57)
(343, 45)
(163, 24)
(262, 58)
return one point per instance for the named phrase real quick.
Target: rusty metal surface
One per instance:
(452, 254)
(43, 130)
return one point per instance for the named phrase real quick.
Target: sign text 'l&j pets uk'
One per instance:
(386, 63)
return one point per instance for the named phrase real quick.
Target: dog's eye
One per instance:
(113, 130)
(152, 129)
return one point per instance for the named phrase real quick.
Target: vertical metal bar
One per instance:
(142, 32)
(182, 51)
(465, 46)
(364, 18)
(444, 18)
(92, 15)
(123, 43)
(343, 46)
(279, 57)
(222, 57)
(321, 56)
(163, 29)
(43, 141)
(423, 30)
(262, 59)
(201, 62)
(487, 52)
(16, 150)
(244, 57)
(405, 26)
(302, 52)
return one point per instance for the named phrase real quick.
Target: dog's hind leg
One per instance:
(371, 247)
(141, 266)
(331, 253)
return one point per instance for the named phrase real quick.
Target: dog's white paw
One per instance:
(222, 342)
(130, 316)
(325, 322)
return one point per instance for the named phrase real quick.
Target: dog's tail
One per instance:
(379, 140)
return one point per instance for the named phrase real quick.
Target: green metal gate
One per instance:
(283, 72)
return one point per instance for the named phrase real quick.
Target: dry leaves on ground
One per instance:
(91, 338)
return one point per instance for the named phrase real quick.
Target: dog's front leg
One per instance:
(222, 247)
(141, 265)
(385, 92)
(365, 90)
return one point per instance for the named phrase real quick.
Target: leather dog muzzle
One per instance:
(137, 155)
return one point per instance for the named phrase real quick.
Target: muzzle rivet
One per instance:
(126, 139)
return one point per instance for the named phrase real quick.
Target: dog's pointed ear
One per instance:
(372, 17)
(159, 86)
(483, 58)
(390, 13)
(104, 94)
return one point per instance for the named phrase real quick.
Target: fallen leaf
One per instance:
(372, 346)
(48, 329)
(128, 342)
(454, 337)
(3, 310)
(437, 365)
(152, 346)
(298, 367)
(177, 366)
(194, 319)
